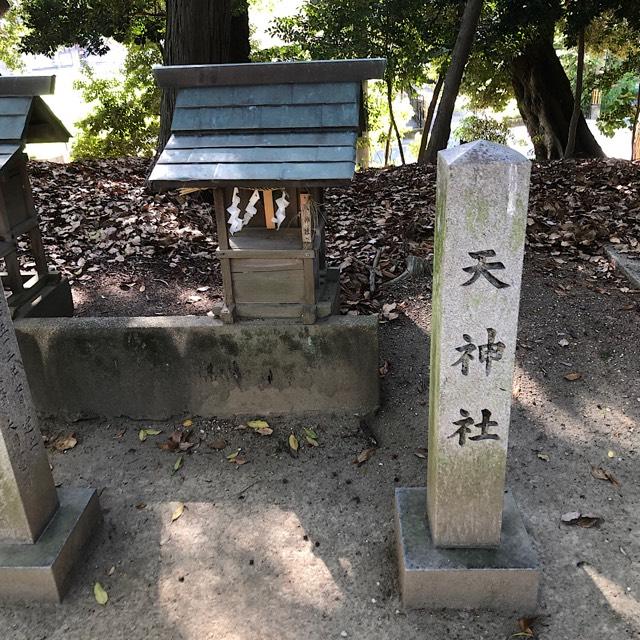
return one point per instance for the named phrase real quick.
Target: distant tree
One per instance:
(184, 31)
(124, 120)
(12, 31)
(464, 41)
(408, 33)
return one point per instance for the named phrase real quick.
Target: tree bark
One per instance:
(429, 119)
(577, 99)
(240, 45)
(199, 32)
(545, 101)
(635, 131)
(442, 126)
(392, 117)
(387, 146)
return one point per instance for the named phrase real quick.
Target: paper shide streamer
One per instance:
(235, 223)
(251, 210)
(282, 203)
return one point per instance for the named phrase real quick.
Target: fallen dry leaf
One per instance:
(364, 455)
(178, 511)
(294, 445)
(187, 423)
(584, 520)
(66, 442)
(525, 626)
(544, 456)
(603, 474)
(573, 376)
(217, 443)
(421, 453)
(384, 369)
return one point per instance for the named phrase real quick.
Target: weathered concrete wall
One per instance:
(155, 368)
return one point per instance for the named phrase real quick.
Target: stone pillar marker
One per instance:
(42, 531)
(470, 549)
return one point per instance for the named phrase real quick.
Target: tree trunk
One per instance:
(635, 131)
(198, 32)
(387, 146)
(240, 46)
(577, 99)
(442, 126)
(429, 119)
(392, 117)
(545, 101)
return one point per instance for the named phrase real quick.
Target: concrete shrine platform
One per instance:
(505, 579)
(160, 367)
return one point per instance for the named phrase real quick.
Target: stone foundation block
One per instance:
(505, 579)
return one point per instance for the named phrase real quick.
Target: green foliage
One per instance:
(475, 127)
(12, 31)
(90, 23)
(125, 120)
(619, 104)
(612, 66)
(408, 33)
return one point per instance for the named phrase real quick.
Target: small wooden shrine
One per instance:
(267, 138)
(26, 118)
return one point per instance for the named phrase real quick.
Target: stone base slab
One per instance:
(41, 571)
(162, 367)
(504, 579)
(627, 264)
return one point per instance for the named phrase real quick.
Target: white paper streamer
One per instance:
(251, 210)
(235, 223)
(282, 203)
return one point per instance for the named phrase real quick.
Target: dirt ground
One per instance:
(286, 548)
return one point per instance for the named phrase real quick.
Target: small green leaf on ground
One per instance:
(144, 433)
(258, 424)
(236, 458)
(178, 464)
(311, 437)
(100, 594)
(187, 423)
(178, 511)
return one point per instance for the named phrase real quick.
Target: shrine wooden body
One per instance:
(265, 132)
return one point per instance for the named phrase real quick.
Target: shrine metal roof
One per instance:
(265, 124)
(24, 116)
